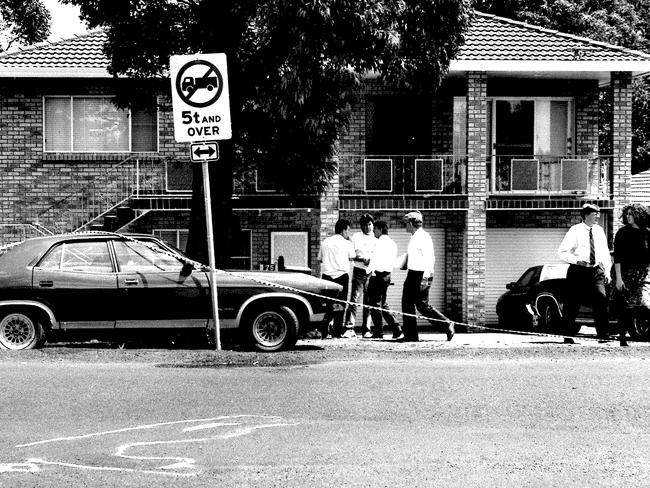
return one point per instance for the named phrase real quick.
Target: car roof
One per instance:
(553, 272)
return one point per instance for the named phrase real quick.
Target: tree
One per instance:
(620, 22)
(293, 66)
(23, 22)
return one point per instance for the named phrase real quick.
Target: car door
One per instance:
(77, 280)
(156, 290)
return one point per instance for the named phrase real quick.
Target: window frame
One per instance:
(71, 106)
(365, 174)
(302, 233)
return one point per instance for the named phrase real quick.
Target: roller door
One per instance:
(510, 252)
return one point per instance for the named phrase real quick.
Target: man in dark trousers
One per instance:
(585, 249)
(419, 260)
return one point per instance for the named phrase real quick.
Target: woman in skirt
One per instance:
(631, 261)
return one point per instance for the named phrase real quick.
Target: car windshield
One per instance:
(528, 277)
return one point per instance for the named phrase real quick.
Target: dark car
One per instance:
(103, 281)
(535, 302)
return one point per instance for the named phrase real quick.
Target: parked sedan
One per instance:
(535, 302)
(102, 281)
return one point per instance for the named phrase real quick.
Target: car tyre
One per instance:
(271, 328)
(549, 319)
(19, 331)
(640, 328)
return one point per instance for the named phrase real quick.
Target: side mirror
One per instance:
(511, 285)
(187, 270)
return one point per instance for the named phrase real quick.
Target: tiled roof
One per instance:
(490, 39)
(82, 53)
(493, 38)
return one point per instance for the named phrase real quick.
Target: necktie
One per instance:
(592, 248)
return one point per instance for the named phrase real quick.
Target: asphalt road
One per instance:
(486, 410)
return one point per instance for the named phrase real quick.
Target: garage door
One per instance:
(437, 292)
(512, 251)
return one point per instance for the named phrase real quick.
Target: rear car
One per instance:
(535, 302)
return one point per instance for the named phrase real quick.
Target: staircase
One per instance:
(114, 200)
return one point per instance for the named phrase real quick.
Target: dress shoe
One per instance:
(378, 336)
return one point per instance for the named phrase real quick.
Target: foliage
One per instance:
(23, 22)
(294, 66)
(619, 22)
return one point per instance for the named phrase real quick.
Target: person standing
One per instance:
(631, 261)
(419, 260)
(381, 264)
(364, 245)
(584, 248)
(335, 255)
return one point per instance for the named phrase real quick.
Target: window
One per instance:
(174, 237)
(428, 175)
(398, 125)
(241, 251)
(378, 174)
(136, 257)
(92, 257)
(265, 181)
(537, 130)
(94, 124)
(292, 246)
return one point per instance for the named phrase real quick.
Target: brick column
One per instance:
(475, 230)
(621, 92)
(329, 212)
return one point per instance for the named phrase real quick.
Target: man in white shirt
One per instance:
(585, 248)
(335, 255)
(382, 263)
(364, 245)
(419, 260)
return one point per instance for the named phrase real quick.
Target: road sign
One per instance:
(204, 151)
(200, 97)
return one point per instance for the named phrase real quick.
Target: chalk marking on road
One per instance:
(141, 427)
(184, 462)
(177, 466)
(38, 461)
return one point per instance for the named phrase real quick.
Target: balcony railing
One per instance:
(415, 175)
(549, 175)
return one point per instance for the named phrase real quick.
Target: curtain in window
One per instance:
(98, 126)
(57, 124)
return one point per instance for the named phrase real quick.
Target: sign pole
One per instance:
(212, 260)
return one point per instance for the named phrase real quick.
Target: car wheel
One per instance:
(640, 328)
(549, 319)
(271, 328)
(19, 331)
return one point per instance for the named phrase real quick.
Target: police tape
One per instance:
(346, 303)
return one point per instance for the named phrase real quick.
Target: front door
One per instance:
(156, 290)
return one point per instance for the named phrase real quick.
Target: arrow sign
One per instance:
(204, 151)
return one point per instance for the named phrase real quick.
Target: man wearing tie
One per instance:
(584, 247)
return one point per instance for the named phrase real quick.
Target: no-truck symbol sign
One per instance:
(200, 97)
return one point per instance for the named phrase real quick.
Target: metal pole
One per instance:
(212, 261)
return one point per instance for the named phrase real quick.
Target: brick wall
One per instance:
(621, 93)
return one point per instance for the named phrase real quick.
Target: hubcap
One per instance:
(269, 329)
(17, 330)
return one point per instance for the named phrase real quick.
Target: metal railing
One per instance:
(549, 175)
(422, 175)
(97, 196)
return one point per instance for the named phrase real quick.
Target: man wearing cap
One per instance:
(585, 249)
(419, 260)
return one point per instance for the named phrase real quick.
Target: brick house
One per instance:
(499, 160)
